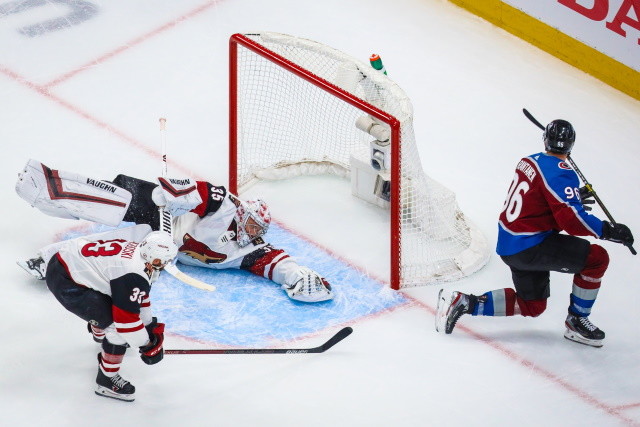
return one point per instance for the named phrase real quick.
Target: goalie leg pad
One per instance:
(308, 287)
(68, 195)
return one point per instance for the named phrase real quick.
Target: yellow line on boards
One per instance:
(556, 43)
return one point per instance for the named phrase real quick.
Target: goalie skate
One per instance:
(34, 266)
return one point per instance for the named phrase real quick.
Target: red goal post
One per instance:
(306, 97)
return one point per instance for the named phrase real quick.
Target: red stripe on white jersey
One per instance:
(125, 321)
(264, 265)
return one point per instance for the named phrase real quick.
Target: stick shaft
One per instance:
(163, 139)
(339, 336)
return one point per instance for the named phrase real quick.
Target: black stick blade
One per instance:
(533, 119)
(342, 334)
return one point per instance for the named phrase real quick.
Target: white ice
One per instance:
(87, 99)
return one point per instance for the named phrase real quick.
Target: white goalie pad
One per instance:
(68, 195)
(178, 196)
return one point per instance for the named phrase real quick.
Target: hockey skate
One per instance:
(451, 309)
(115, 387)
(34, 266)
(581, 330)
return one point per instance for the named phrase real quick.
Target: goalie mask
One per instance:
(253, 219)
(158, 246)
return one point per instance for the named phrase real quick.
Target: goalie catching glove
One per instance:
(153, 352)
(177, 196)
(306, 285)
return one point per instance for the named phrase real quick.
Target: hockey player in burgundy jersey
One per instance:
(544, 199)
(212, 228)
(106, 280)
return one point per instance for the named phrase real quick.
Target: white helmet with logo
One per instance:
(158, 245)
(258, 212)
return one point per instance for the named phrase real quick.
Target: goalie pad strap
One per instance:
(175, 186)
(177, 196)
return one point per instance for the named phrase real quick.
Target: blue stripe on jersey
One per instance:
(561, 183)
(557, 180)
(509, 243)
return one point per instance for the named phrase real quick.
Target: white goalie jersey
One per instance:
(207, 237)
(210, 241)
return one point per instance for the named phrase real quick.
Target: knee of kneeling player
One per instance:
(597, 262)
(532, 308)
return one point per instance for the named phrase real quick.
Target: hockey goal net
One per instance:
(294, 105)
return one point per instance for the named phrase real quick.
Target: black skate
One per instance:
(581, 330)
(33, 266)
(451, 309)
(115, 387)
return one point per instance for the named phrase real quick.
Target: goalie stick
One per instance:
(339, 336)
(166, 223)
(586, 183)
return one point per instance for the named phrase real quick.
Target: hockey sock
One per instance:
(111, 358)
(582, 299)
(586, 283)
(98, 333)
(499, 302)
(505, 302)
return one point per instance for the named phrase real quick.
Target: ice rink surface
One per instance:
(83, 84)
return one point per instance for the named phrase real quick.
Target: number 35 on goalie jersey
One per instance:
(543, 198)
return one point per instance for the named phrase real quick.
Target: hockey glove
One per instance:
(153, 352)
(586, 197)
(616, 232)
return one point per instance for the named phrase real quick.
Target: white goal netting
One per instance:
(294, 105)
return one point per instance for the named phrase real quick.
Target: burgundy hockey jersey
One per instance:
(543, 198)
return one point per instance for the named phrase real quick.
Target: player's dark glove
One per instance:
(616, 232)
(586, 197)
(153, 352)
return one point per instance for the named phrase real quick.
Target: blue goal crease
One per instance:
(249, 310)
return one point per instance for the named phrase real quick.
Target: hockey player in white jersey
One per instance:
(106, 279)
(211, 227)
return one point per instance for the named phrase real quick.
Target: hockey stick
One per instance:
(166, 223)
(586, 183)
(339, 336)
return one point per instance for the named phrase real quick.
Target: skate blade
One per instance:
(104, 391)
(25, 267)
(441, 315)
(576, 337)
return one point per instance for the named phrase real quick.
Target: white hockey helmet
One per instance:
(158, 245)
(253, 218)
